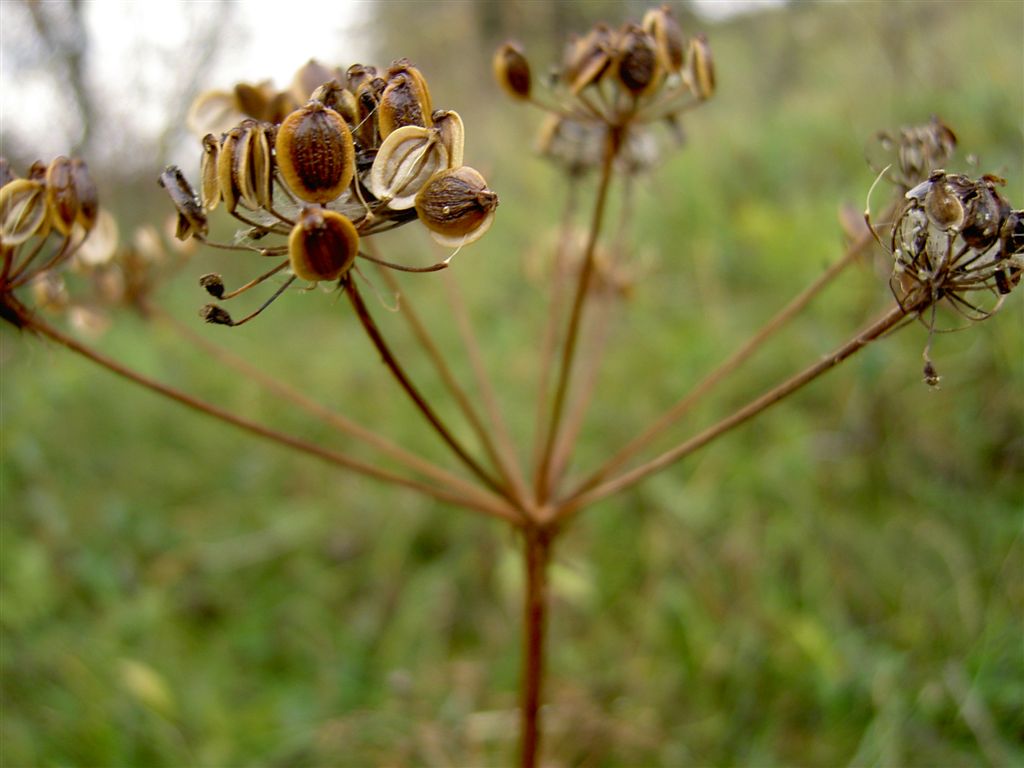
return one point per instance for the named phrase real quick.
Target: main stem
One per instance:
(537, 555)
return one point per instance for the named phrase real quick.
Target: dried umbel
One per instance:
(955, 241)
(348, 164)
(909, 154)
(611, 86)
(44, 219)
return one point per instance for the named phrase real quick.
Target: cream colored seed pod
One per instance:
(456, 206)
(323, 244)
(315, 153)
(449, 126)
(661, 25)
(404, 163)
(22, 211)
(700, 68)
(230, 146)
(209, 186)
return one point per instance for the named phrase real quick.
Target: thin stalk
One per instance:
(301, 400)
(572, 334)
(726, 367)
(537, 556)
(550, 334)
(396, 369)
(504, 444)
(885, 323)
(423, 336)
(501, 511)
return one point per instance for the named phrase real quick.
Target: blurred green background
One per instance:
(840, 582)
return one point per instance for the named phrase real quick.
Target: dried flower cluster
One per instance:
(44, 219)
(368, 152)
(611, 85)
(912, 152)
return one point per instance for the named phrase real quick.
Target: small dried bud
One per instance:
(700, 68)
(191, 219)
(512, 70)
(215, 315)
(931, 376)
(456, 206)
(23, 211)
(315, 153)
(323, 244)
(214, 284)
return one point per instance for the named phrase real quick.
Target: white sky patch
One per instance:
(137, 50)
(716, 10)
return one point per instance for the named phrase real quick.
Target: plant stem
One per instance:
(543, 485)
(885, 323)
(537, 556)
(726, 367)
(478, 502)
(419, 330)
(396, 369)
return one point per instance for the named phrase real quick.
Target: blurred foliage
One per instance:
(839, 582)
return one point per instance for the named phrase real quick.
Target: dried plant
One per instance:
(312, 173)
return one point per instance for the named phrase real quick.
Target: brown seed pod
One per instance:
(986, 213)
(512, 70)
(253, 100)
(943, 207)
(309, 77)
(456, 206)
(315, 153)
(357, 74)
(700, 68)
(404, 163)
(588, 59)
(322, 245)
(86, 192)
(662, 26)
(23, 211)
(334, 95)
(61, 199)
(367, 100)
(402, 104)
(405, 67)
(636, 64)
(191, 219)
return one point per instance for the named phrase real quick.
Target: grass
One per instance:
(836, 583)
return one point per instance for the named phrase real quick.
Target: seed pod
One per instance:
(86, 192)
(636, 61)
(700, 68)
(334, 95)
(589, 58)
(191, 219)
(367, 100)
(60, 195)
(357, 74)
(253, 100)
(404, 163)
(282, 104)
(315, 153)
(985, 215)
(309, 77)
(405, 67)
(215, 315)
(101, 244)
(943, 207)
(213, 112)
(230, 146)
(662, 26)
(23, 211)
(251, 166)
(402, 104)
(449, 127)
(209, 185)
(456, 206)
(512, 70)
(323, 244)
(213, 283)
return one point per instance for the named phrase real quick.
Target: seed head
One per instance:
(315, 153)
